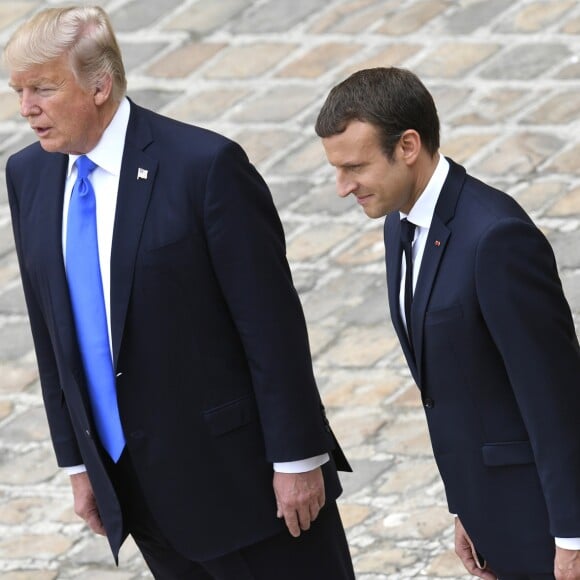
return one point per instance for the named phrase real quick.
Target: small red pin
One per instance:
(437, 243)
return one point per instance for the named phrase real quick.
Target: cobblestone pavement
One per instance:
(504, 74)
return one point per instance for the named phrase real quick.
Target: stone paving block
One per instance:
(385, 558)
(12, 301)
(467, 18)
(182, 61)
(16, 378)
(303, 161)
(368, 247)
(394, 55)
(413, 17)
(566, 206)
(520, 154)
(247, 61)
(6, 407)
(276, 16)
(9, 108)
(15, 340)
(565, 247)
(525, 62)
(202, 18)
(462, 147)
(323, 199)
(453, 60)
(27, 467)
(367, 387)
(152, 98)
(30, 575)
(12, 11)
(288, 191)
(137, 14)
(137, 54)
(7, 149)
(539, 194)
(446, 565)
(559, 109)
(354, 429)
(263, 144)
(536, 16)
(319, 60)
(317, 241)
(276, 105)
(205, 105)
(353, 514)
(569, 72)
(30, 426)
(571, 26)
(27, 510)
(353, 17)
(41, 546)
(359, 347)
(448, 98)
(490, 107)
(406, 435)
(566, 162)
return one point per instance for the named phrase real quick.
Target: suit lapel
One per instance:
(138, 172)
(437, 240)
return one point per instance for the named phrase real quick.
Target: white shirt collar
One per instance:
(421, 213)
(108, 153)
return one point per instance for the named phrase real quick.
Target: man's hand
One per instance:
(465, 549)
(567, 564)
(85, 504)
(299, 498)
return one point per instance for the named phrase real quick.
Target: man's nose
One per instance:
(344, 185)
(28, 104)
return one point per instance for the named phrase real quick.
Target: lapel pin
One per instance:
(142, 173)
(437, 243)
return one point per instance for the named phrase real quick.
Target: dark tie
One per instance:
(86, 292)
(407, 235)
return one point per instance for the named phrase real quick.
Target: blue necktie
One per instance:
(86, 292)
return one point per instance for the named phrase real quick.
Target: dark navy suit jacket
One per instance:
(498, 365)
(214, 372)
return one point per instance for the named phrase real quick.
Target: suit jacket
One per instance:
(498, 365)
(214, 375)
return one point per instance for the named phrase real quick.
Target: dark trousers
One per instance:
(321, 552)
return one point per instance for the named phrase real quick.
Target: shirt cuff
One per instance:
(568, 543)
(302, 465)
(75, 469)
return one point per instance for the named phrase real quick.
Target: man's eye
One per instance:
(44, 91)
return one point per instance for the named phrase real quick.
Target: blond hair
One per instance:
(84, 33)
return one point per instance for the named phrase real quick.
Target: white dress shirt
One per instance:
(421, 215)
(108, 155)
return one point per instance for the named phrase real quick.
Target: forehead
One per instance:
(358, 142)
(56, 70)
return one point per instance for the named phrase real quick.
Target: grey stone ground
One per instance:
(505, 77)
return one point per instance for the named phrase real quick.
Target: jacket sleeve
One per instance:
(247, 249)
(530, 321)
(61, 430)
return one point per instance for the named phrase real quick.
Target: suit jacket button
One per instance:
(428, 403)
(88, 432)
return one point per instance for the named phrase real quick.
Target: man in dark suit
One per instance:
(171, 344)
(487, 333)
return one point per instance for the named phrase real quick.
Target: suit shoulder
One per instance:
(190, 138)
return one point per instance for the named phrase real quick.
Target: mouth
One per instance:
(363, 199)
(41, 131)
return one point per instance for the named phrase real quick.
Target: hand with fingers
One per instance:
(467, 553)
(85, 503)
(299, 498)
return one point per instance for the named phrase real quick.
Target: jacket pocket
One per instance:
(507, 453)
(231, 415)
(439, 315)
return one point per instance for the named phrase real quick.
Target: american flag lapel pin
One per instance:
(142, 173)
(437, 243)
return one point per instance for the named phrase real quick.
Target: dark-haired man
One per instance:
(477, 304)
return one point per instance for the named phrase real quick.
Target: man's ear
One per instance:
(410, 144)
(103, 90)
